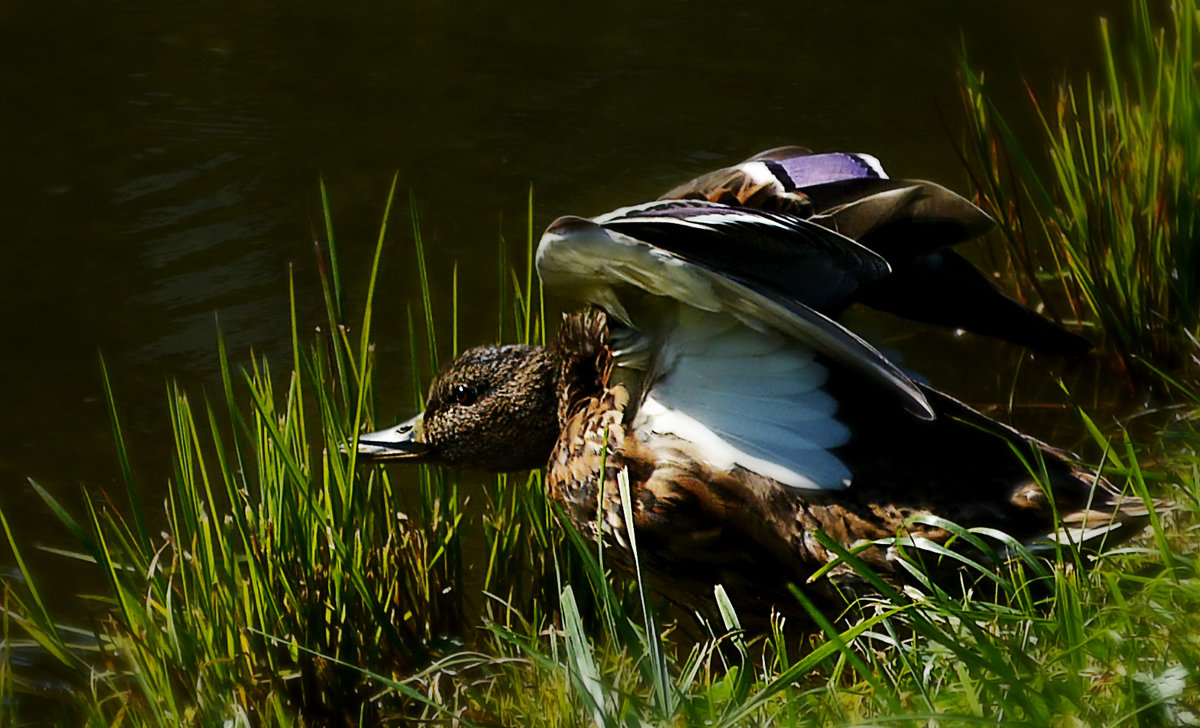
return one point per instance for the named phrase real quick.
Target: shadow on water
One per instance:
(161, 162)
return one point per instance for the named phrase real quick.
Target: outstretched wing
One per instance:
(910, 223)
(696, 284)
(801, 261)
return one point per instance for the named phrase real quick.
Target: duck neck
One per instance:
(583, 351)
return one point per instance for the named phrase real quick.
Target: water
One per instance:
(161, 162)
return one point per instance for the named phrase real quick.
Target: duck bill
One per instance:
(405, 441)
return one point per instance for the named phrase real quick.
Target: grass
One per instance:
(289, 588)
(288, 581)
(293, 587)
(1117, 199)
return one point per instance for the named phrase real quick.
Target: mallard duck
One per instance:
(708, 370)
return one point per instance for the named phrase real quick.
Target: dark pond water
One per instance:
(160, 167)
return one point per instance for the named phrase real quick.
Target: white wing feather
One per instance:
(777, 422)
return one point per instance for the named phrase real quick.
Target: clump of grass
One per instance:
(288, 587)
(1119, 208)
(279, 564)
(1051, 644)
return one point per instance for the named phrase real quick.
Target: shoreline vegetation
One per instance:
(1101, 217)
(293, 587)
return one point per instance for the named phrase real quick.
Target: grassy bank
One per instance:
(292, 586)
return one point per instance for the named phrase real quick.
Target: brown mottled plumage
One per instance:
(698, 526)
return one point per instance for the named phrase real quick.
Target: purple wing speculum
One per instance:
(818, 169)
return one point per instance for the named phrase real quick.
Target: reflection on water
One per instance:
(161, 161)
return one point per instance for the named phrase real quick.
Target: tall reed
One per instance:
(1113, 185)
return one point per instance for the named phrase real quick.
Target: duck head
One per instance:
(493, 408)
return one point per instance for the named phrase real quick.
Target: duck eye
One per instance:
(463, 394)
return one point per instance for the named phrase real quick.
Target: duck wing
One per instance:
(848, 192)
(910, 223)
(804, 262)
(653, 265)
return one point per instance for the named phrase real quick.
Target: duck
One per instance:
(706, 404)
